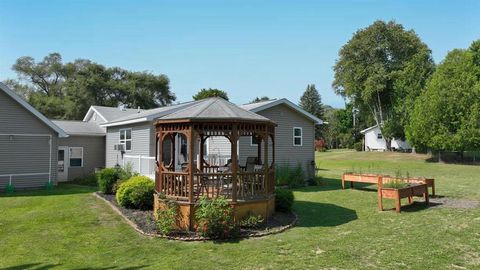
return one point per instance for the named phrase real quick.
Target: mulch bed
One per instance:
(144, 223)
(446, 202)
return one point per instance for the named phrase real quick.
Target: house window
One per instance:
(126, 138)
(297, 136)
(379, 136)
(76, 156)
(253, 140)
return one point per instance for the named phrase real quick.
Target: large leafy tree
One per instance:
(260, 99)
(311, 102)
(210, 92)
(66, 90)
(447, 115)
(383, 69)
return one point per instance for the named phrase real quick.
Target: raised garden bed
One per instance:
(144, 223)
(409, 191)
(376, 178)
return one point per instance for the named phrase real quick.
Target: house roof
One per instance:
(367, 129)
(260, 106)
(109, 114)
(215, 108)
(148, 115)
(32, 110)
(80, 128)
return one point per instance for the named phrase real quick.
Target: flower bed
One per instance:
(144, 223)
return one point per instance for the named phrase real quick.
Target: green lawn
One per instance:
(69, 228)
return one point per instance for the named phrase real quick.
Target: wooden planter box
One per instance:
(360, 178)
(418, 190)
(378, 178)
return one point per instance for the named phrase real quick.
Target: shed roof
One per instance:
(214, 109)
(80, 128)
(368, 129)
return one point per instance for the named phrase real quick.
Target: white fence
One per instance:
(217, 160)
(143, 165)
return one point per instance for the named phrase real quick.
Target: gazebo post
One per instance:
(159, 156)
(234, 139)
(259, 149)
(190, 140)
(202, 143)
(265, 159)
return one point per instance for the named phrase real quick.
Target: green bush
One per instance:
(251, 221)
(137, 192)
(167, 218)
(288, 176)
(358, 146)
(283, 200)
(106, 180)
(214, 218)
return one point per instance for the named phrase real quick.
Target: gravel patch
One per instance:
(446, 202)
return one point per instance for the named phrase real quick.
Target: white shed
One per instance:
(374, 141)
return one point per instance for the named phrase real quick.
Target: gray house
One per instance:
(130, 138)
(35, 150)
(28, 143)
(82, 152)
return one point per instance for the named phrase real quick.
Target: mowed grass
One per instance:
(339, 229)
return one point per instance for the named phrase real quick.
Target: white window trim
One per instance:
(301, 136)
(251, 141)
(70, 156)
(125, 140)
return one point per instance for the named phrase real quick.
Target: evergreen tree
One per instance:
(312, 103)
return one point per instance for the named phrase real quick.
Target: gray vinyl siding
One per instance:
(285, 152)
(142, 142)
(219, 146)
(93, 154)
(19, 153)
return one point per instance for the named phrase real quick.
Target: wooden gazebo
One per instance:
(183, 175)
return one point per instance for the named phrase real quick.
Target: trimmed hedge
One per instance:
(283, 200)
(136, 192)
(106, 180)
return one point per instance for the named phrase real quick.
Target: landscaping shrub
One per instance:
(123, 174)
(106, 179)
(167, 218)
(283, 200)
(137, 192)
(288, 176)
(358, 146)
(251, 221)
(214, 218)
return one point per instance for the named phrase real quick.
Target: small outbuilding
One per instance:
(374, 141)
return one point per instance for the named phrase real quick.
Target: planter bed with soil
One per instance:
(397, 193)
(144, 223)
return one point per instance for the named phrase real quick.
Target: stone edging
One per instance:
(192, 238)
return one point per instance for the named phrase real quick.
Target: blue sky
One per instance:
(249, 48)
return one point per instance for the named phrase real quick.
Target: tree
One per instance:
(312, 103)
(447, 114)
(210, 92)
(260, 99)
(66, 91)
(383, 69)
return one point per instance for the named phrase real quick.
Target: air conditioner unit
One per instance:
(119, 147)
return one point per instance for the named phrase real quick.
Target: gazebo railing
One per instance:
(250, 185)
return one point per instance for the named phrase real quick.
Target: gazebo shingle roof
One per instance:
(215, 109)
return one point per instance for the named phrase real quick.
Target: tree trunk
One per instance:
(388, 143)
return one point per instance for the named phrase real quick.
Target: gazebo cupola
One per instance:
(184, 174)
